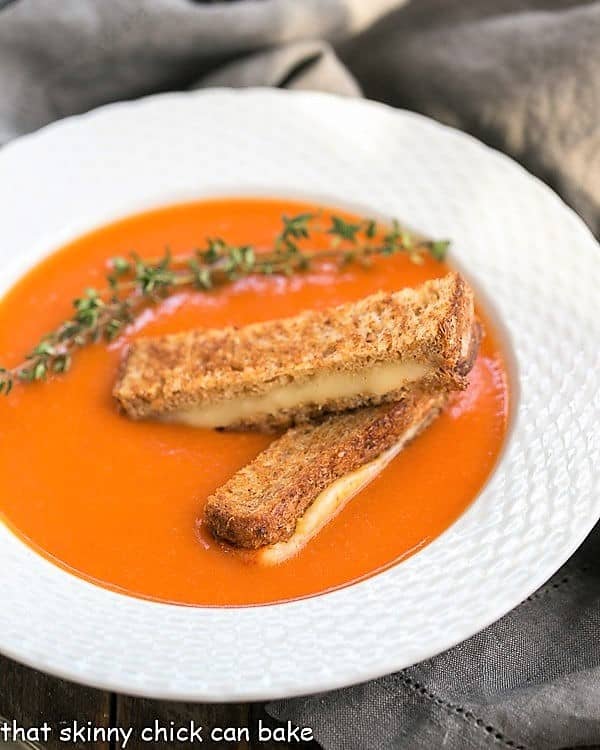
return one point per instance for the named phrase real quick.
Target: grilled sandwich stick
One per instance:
(283, 372)
(279, 501)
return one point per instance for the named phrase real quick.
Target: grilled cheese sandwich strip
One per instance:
(275, 374)
(275, 504)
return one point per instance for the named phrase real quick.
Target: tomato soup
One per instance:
(117, 501)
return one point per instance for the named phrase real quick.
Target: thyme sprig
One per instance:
(133, 283)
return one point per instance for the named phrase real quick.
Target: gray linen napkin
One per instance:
(58, 59)
(523, 75)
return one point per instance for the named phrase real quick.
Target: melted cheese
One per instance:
(374, 381)
(329, 503)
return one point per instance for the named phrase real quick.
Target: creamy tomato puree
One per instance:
(117, 501)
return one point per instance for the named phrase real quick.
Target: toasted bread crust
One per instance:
(433, 324)
(262, 502)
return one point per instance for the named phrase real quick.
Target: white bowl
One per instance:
(530, 255)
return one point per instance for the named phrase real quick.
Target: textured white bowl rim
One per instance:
(518, 243)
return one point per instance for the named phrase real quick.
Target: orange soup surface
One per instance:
(117, 501)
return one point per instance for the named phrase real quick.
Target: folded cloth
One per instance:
(523, 75)
(62, 58)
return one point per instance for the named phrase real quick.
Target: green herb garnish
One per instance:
(133, 283)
